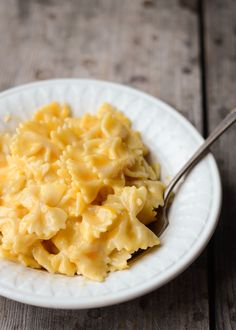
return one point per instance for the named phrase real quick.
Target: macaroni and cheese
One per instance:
(76, 194)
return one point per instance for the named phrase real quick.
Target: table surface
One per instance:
(183, 52)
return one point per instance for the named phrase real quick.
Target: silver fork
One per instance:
(159, 226)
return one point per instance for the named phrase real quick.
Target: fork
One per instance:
(158, 227)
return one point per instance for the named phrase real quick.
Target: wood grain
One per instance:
(151, 45)
(220, 24)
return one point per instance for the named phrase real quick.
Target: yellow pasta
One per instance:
(76, 194)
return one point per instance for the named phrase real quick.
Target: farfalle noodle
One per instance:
(76, 194)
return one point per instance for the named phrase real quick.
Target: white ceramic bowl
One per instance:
(193, 215)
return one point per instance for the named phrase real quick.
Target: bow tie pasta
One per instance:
(76, 194)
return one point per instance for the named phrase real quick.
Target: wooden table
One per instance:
(183, 52)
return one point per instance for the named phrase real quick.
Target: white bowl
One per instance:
(193, 215)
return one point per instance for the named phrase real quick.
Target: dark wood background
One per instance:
(183, 52)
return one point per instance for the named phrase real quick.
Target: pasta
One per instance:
(76, 194)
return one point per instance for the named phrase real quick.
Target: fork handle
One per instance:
(220, 129)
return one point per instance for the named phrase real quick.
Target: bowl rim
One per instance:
(178, 267)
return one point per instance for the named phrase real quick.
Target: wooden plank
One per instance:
(220, 25)
(148, 44)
